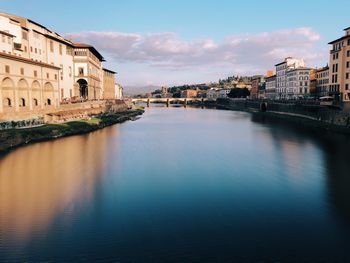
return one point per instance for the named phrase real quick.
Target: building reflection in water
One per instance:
(45, 179)
(335, 160)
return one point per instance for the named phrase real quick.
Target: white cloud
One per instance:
(246, 53)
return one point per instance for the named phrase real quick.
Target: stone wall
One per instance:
(303, 109)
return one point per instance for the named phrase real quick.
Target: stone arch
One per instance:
(7, 83)
(23, 93)
(83, 88)
(36, 94)
(35, 85)
(7, 94)
(22, 84)
(48, 94)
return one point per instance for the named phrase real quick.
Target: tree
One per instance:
(239, 93)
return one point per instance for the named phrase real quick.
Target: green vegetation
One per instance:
(16, 137)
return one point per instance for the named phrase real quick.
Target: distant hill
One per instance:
(135, 90)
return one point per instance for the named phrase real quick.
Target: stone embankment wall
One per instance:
(65, 113)
(85, 110)
(309, 110)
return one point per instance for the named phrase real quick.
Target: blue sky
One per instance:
(175, 41)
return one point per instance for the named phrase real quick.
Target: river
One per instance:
(181, 185)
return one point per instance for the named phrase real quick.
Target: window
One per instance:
(347, 75)
(55, 76)
(35, 102)
(25, 49)
(348, 53)
(51, 45)
(22, 71)
(60, 49)
(24, 35)
(81, 71)
(70, 71)
(347, 64)
(22, 102)
(346, 86)
(7, 69)
(31, 49)
(35, 50)
(48, 102)
(47, 75)
(35, 73)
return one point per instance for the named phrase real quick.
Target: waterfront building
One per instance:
(212, 94)
(271, 87)
(88, 72)
(298, 83)
(26, 87)
(41, 69)
(109, 85)
(119, 92)
(281, 75)
(322, 82)
(262, 89)
(190, 93)
(339, 68)
(256, 84)
(222, 93)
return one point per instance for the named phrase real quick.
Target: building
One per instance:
(119, 92)
(257, 84)
(52, 69)
(26, 86)
(212, 94)
(297, 83)
(222, 93)
(190, 93)
(339, 68)
(322, 82)
(281, 75)
(270, 91)
(88, 73)
(109, 86)
(262, 89)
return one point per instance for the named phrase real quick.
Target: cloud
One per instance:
(242, 54)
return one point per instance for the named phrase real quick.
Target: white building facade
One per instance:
(298, 83)
(281, 75)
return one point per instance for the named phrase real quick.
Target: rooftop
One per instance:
(91, 48)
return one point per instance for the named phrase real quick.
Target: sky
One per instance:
(175, 42)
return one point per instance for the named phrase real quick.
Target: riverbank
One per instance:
(292, 118)
(13, 138)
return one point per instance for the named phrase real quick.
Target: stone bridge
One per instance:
(169, 101)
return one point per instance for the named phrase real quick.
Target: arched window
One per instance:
(35, 102)
(7, 102)
(48, 102)
(22, 102)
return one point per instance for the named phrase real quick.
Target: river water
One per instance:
(179, 185)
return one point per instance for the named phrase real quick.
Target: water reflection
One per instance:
(183, 185)
(334, 162)
(42, 180)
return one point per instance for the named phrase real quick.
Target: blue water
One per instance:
(179, 185)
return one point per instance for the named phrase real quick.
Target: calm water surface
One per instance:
(179, 185)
